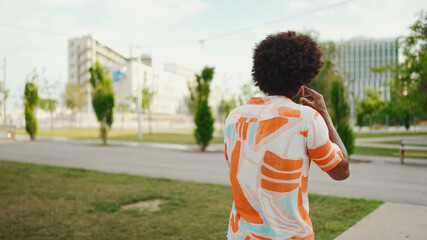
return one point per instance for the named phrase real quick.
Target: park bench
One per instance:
(408, 141)
(10, 130)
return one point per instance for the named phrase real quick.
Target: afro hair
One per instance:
(285, 61)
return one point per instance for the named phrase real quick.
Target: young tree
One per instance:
(191, 100)
(225, 108)
(31, 99)
(339, 114)
(123, 108)
(102, 98)
(371, 105)
(49, 104)
(203, 117)
(408, 87)
(322, 83)
(74, 97)
(247, 91)
(5, 94)
(147, 98)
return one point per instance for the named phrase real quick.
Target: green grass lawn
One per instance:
(387, 134)
(389, 152)
(122, 135)
(44, 202)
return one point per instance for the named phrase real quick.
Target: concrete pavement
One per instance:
(391, 221)
(376, 142)
(381, 178)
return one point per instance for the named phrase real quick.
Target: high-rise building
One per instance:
(354, 60)
(83, 52)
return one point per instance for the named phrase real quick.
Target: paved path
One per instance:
(384, 178)
(376, 142)
(391, 221)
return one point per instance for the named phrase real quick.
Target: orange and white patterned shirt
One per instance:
(269, 145)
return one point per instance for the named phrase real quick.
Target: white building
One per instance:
(83, 52)
(170, 89)
(354, 60)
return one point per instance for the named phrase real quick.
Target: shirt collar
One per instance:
(267, 99)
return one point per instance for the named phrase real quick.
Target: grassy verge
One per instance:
(121, 135)
(387, 134)
(369, 151)
(44, 202)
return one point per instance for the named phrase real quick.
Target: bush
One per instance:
(31, 100)
(204, 124)
(347, 136)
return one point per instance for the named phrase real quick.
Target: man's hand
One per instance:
(314, 100)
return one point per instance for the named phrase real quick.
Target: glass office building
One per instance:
(354, 60)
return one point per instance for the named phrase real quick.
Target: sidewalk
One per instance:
(383, 178)
(376, 142)
(391, 221)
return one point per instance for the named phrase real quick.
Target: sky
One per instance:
(191, 33)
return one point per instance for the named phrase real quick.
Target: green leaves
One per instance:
(31, 98)
(74, 96)
(48, 104)
(203, 117)
(102, 98)
(31, 94)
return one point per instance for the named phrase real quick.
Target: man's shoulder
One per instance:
(292, 109)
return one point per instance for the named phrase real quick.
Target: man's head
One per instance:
(285, 61)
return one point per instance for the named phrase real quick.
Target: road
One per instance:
(421, 141)
(382, 178)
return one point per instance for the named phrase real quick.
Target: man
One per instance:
(271, 141)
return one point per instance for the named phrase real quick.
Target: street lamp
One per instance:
(136, 51)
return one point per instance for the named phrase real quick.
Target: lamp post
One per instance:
(136, 51)
(5, 92)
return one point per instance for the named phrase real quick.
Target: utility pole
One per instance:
(4, 92)
(138, 87)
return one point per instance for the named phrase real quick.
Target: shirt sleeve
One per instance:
(321, 150)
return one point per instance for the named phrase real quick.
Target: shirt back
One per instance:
(269, 145)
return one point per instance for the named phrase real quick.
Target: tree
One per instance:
(147, 98)
(247, 91)
(371, 105)
(339, 114)
(408, 87)
(31, 100)
(225, 108)
(322, 83)
(49, 104)
(123, 108)
(74, 97)
(191, 100)
(203, 117)
(102, 98)
(5, 94)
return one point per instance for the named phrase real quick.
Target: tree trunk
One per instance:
(51, 121)
(104, 136)
(149, 123)
(104, 133)
(123, 121)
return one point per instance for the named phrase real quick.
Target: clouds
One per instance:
(121, 24)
